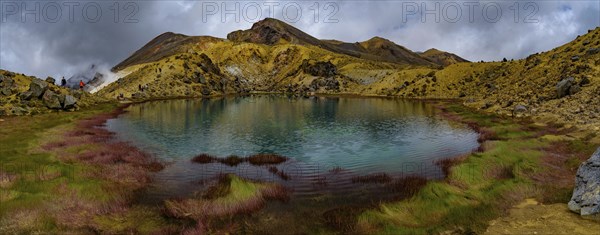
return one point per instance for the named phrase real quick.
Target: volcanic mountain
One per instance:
(271, 32)
(273, 56)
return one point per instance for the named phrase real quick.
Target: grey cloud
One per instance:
(63, 48)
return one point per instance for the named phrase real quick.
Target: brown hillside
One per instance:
(164, 45)
(442, 58)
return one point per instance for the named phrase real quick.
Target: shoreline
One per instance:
(98, 118)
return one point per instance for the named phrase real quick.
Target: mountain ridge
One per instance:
(270, 32)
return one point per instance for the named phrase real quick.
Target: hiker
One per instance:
(63, 82)
(81, 84)
(140, 87)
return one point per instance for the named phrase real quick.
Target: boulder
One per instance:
(139, 95)
(332, 84)
(205, 91)
(50, 80)
(77, 93)
(26, 95)
(18, 111)
(593, 51)
(584, 81)
(5, 91)
(6, 82)
(69, 102)
(207, 65)
(574, 89)
(575, 58)
(519, 109)
(198, 78)
(586, 195)
(563, 87)
(61, 99)
(38, 87)
(51, 100)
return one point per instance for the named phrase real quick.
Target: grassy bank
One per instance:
(62, 173)
(47, 186)
(518, 159)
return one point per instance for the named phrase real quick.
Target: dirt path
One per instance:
(530, 217)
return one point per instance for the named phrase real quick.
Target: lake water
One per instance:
(354, 136)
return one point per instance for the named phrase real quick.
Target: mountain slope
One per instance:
(442, 58)
(386, 50)
(501, 87)
(164, 45)
(232, 67)
(283, 59)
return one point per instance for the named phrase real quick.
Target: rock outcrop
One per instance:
(319, 69)
(38, 88)
(567, 87)
(586, 195)
(51, 100)
(69, 102)
(30, 95)
(6, 86)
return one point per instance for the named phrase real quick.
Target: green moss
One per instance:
(240, 190)
(476, 191)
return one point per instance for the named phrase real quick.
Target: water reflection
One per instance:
(360, 135)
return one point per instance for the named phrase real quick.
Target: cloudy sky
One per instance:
(59, 38)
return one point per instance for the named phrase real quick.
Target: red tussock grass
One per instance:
(54, 145)
(73, 211)
(407, 186)
(266, 158)
(446, 164)
(232, 160)
(560, 164)
(500, 173)
(377, 178)
(275, 192)
(118, 162)
(550, 128)
(485, 134)
(121, 152)
(7, 180)
(279, 173)
(320, 181)
(204, 158)
(218, 203)
(343, 218)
